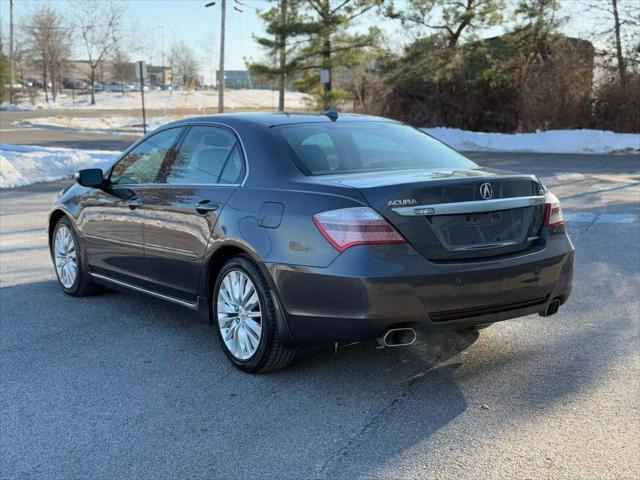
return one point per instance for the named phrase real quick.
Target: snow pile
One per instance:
(24, 165)
(105, 124)
(204, 100)
(7, 107)
(552, 141)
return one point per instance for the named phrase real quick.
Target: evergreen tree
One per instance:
(330, 44)
(451, 18)
(4, 74)
(284, 26)
(309, 36)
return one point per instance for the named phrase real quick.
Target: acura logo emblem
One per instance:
(486, 191)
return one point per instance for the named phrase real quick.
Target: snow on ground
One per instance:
(103, 124)
(206, 101)
(24, 165)
(552, 141)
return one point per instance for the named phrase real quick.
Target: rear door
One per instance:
(183, 207)
(112, 220)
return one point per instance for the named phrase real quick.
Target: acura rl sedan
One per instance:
(289, 229)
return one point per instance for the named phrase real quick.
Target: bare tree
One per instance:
(621, 27)
(47, 41)
(121, 66)
(99, 25)
(183, 63)
(19, 59)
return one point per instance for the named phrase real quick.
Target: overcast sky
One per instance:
(189, 21)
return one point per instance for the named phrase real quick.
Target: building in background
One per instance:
(242, 79)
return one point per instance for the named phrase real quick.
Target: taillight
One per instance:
(355, 226)
(552, 211)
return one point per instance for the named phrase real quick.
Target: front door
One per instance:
(112, 219)
(182, 210)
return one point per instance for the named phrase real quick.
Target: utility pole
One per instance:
(11, 53)
(161, 27)
(223, 6)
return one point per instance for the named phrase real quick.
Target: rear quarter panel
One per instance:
(296, 240)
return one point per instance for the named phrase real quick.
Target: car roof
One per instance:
(271, 119)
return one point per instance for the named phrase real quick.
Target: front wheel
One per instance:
(245, 319)
(71, 270)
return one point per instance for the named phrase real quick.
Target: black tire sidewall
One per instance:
(79, 265)
(246, 266)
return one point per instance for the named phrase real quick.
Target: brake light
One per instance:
(355, 226)
(552, 211)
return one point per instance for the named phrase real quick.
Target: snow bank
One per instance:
(204, 100)
(7, 107)
(103, 124)
(552, 141)
(24, 165)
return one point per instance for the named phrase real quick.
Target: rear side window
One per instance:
(141, 165)
(208, 155)
(326, 148)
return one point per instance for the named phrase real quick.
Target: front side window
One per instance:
(351, 147)
(142, 164)
(208, 155)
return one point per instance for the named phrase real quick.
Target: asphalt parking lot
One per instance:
(121, 386)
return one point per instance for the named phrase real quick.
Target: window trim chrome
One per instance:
(476, 206)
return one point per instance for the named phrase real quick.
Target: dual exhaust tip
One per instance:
(403, 337)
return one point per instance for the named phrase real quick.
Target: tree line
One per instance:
(45, 38)
(457, 71)
(500, 65)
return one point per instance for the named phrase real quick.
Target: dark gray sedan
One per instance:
(284, 230)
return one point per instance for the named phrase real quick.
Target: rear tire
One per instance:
(69, 264)
(244, 318)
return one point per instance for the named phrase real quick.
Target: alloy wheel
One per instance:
(239, 314)
(65, 256)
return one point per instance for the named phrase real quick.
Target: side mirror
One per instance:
(90, 177)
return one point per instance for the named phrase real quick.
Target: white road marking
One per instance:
(588, 217)
(567, 176)
(603, 187)
(19, 129)
(617, 218)
(579, 217)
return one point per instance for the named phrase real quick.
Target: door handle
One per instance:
(205, 206)
(135, 203)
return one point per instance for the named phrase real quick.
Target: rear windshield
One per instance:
(326, 148)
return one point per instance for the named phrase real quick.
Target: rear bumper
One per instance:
(369, 289)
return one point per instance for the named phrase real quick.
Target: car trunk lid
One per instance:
(456, 214)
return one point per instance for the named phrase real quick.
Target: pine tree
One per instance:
(330, 44)
(284, 27)
(309, 36)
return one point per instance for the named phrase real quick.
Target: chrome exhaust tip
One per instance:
(398, 337)
(551, 309)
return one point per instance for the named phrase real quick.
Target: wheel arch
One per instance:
(54, 218)
(215, 263)
(218, 258)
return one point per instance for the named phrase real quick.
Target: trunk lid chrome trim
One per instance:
(476, 206)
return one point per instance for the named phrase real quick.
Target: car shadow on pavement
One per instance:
(359, 412)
